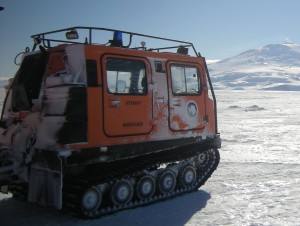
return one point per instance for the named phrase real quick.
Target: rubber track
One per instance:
(75, 186)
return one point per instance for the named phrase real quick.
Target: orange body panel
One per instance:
(55, 63)
(158, 115)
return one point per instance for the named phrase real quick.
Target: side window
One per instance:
(126, 76)
(185, 80)
(28, 82)
(91, 70)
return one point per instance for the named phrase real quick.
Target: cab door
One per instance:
(127, 101)
(186, 97)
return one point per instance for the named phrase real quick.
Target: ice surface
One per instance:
(259, 126)
(257, 181)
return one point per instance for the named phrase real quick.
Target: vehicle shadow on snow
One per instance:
(175, 212)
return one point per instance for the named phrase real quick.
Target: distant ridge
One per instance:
(272, 67)
(3, 82)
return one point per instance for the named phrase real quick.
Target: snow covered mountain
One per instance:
(272, 67)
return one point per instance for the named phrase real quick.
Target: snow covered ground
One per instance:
(257, 181)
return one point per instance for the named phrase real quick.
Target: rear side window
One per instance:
(126, 76)
(185, 80)
(28, 81)
(91, 69)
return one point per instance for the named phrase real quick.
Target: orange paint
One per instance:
(115, 119)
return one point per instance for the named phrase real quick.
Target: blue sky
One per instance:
(218, 28)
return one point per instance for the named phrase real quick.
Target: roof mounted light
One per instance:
(183, 50)
(72, 35)
(117, 39)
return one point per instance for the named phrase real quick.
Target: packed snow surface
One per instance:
(256, 183)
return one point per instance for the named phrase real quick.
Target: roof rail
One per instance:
(71, 34)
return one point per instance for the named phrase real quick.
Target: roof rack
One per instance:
(72, 34)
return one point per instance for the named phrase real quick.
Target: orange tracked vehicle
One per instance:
(97, 128)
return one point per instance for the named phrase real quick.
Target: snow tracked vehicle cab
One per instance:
(97, 128)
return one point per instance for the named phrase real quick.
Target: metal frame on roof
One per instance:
(45, 40)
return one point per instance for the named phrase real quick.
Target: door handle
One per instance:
(176, 102)
(160, 100)
(114, 102)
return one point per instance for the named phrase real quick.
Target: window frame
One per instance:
(125, 58)
(186, 93)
